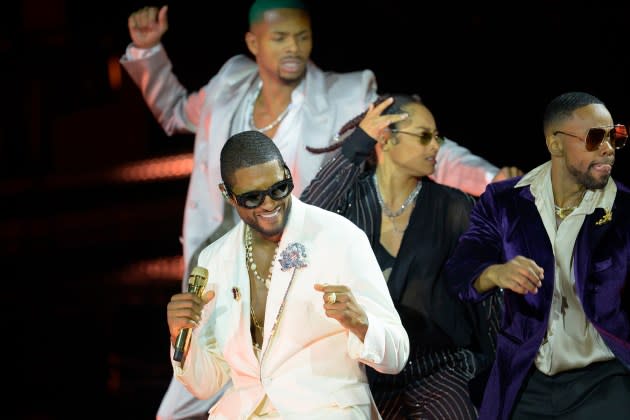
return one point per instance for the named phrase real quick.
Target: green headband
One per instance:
(259, 7)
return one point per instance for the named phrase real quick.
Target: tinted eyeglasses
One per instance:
(253, 199)
(616, 135)
(425, 137)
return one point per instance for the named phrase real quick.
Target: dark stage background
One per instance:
(92, 191)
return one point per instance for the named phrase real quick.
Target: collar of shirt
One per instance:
(539, 180)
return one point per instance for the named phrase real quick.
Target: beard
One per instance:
(587, 180)
(292, 81)
(275, 230)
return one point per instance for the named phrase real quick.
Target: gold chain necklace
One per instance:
(253, 313)
(257, 324)
(563, 212)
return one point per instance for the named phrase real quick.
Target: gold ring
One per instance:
(332, 298)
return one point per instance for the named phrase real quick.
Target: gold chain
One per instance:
(254, 319)
(563, 212)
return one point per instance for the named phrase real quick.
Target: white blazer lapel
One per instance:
(281, 280)
(233, 300)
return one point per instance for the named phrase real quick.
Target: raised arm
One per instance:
(459, 168)
(330, 187)
(148, 65)
(147, 25)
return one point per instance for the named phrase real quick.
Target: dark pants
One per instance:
(597, 391)
(432, 386)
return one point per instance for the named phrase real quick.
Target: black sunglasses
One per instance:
(253, 199)
(425, 137)
(616, 135)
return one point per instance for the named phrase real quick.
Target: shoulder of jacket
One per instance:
(238, 67)
(217, 247)
(334, 77)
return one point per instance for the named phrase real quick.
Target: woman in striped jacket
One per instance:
(378, 178)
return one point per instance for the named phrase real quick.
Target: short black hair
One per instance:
(562, 107)
(245, 149)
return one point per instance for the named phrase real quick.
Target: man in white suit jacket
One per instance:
(328, 312)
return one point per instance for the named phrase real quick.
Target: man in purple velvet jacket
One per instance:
(557, 241)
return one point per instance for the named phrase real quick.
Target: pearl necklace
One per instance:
(249, 256)
(275, 122)
(411, 197)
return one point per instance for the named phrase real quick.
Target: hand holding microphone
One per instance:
(184, 311)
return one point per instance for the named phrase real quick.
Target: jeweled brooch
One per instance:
(293, 256)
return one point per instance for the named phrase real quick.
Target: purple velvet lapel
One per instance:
(527, 236)
(587, 241)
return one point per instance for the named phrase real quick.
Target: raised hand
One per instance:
(375, 124)
(147, 25)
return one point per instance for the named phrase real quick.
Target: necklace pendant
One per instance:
(267, 282)
(563, 212)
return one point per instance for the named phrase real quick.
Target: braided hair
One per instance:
(400, 101)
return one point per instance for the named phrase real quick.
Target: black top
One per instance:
(433, 318)
(385, 259)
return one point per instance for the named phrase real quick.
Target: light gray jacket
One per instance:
(331, 100)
